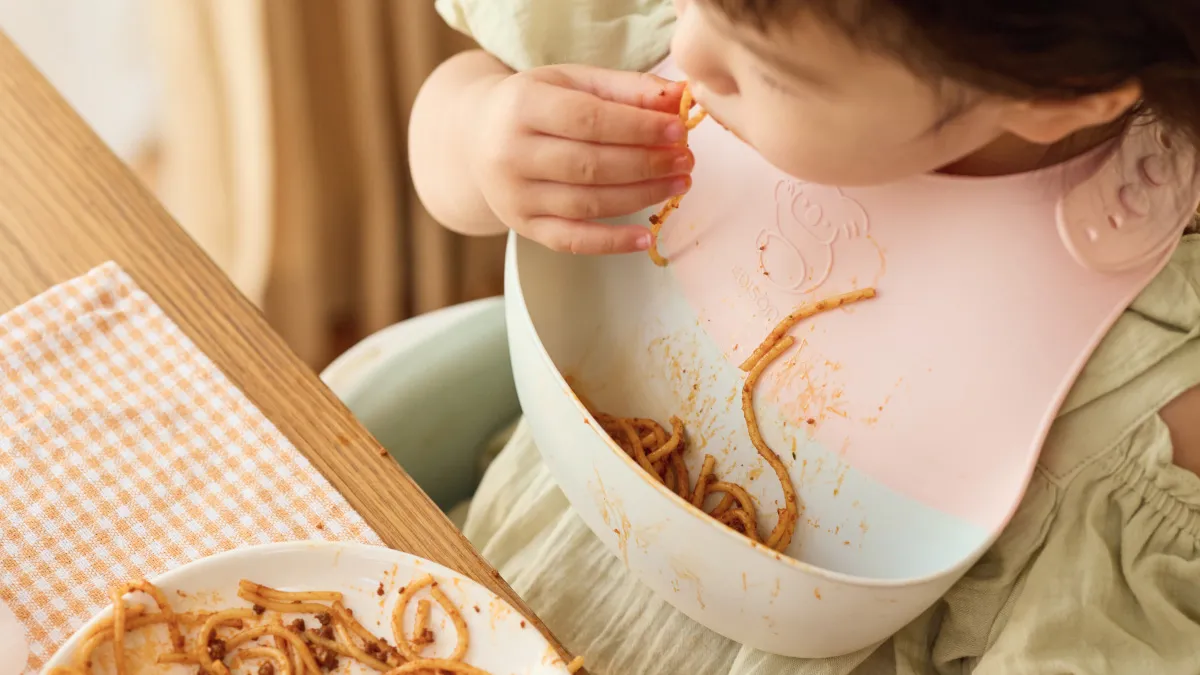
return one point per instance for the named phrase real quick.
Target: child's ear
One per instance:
(1050, 121)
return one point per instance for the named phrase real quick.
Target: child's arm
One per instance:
(546, 152)
(1182, 417)
(444, 119)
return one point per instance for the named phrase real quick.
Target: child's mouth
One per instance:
(700, 95)
(716, 118)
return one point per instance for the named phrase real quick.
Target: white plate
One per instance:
(501, 641)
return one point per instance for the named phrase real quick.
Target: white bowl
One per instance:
(865, 560)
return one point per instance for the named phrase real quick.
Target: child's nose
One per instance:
(699, 56)
(708, 76)
(716, 83)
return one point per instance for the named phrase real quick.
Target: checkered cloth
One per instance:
(125, 452)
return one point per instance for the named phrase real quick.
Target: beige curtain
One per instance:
(283, 154)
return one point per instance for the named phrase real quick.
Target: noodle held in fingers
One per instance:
(657, 220)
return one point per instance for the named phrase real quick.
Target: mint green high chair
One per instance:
(436, 391)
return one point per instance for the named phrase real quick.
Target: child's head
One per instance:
(855, 92)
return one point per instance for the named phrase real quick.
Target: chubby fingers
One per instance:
(587, 238)
(578, 115)
(555, 159)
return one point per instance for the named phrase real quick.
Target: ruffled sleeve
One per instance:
(524, 34)
(1112, 587)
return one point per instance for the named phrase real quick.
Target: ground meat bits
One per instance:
(216, 648)
(326, 659)
(298, 626)
(266, 668)
(425, 638)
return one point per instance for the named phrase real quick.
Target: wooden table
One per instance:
(68, 204)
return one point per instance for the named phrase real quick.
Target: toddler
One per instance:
(554, 125)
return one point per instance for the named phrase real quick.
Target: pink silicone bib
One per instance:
(992, 295)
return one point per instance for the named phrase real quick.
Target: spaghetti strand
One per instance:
(780, 536)
(686, 102)
(801, 313)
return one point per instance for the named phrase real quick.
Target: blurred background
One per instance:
(274, 132)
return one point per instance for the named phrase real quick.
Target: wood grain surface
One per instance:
(68, 204)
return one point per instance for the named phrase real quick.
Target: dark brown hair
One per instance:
(1025, 48)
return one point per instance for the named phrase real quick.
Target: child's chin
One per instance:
(726, 127)
(839, 176)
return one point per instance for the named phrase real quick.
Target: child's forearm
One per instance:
(440, 133)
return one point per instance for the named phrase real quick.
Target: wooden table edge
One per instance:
(54, 167)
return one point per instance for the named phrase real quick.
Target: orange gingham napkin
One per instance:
(125, 452)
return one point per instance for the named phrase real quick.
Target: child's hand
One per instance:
(562, 146)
